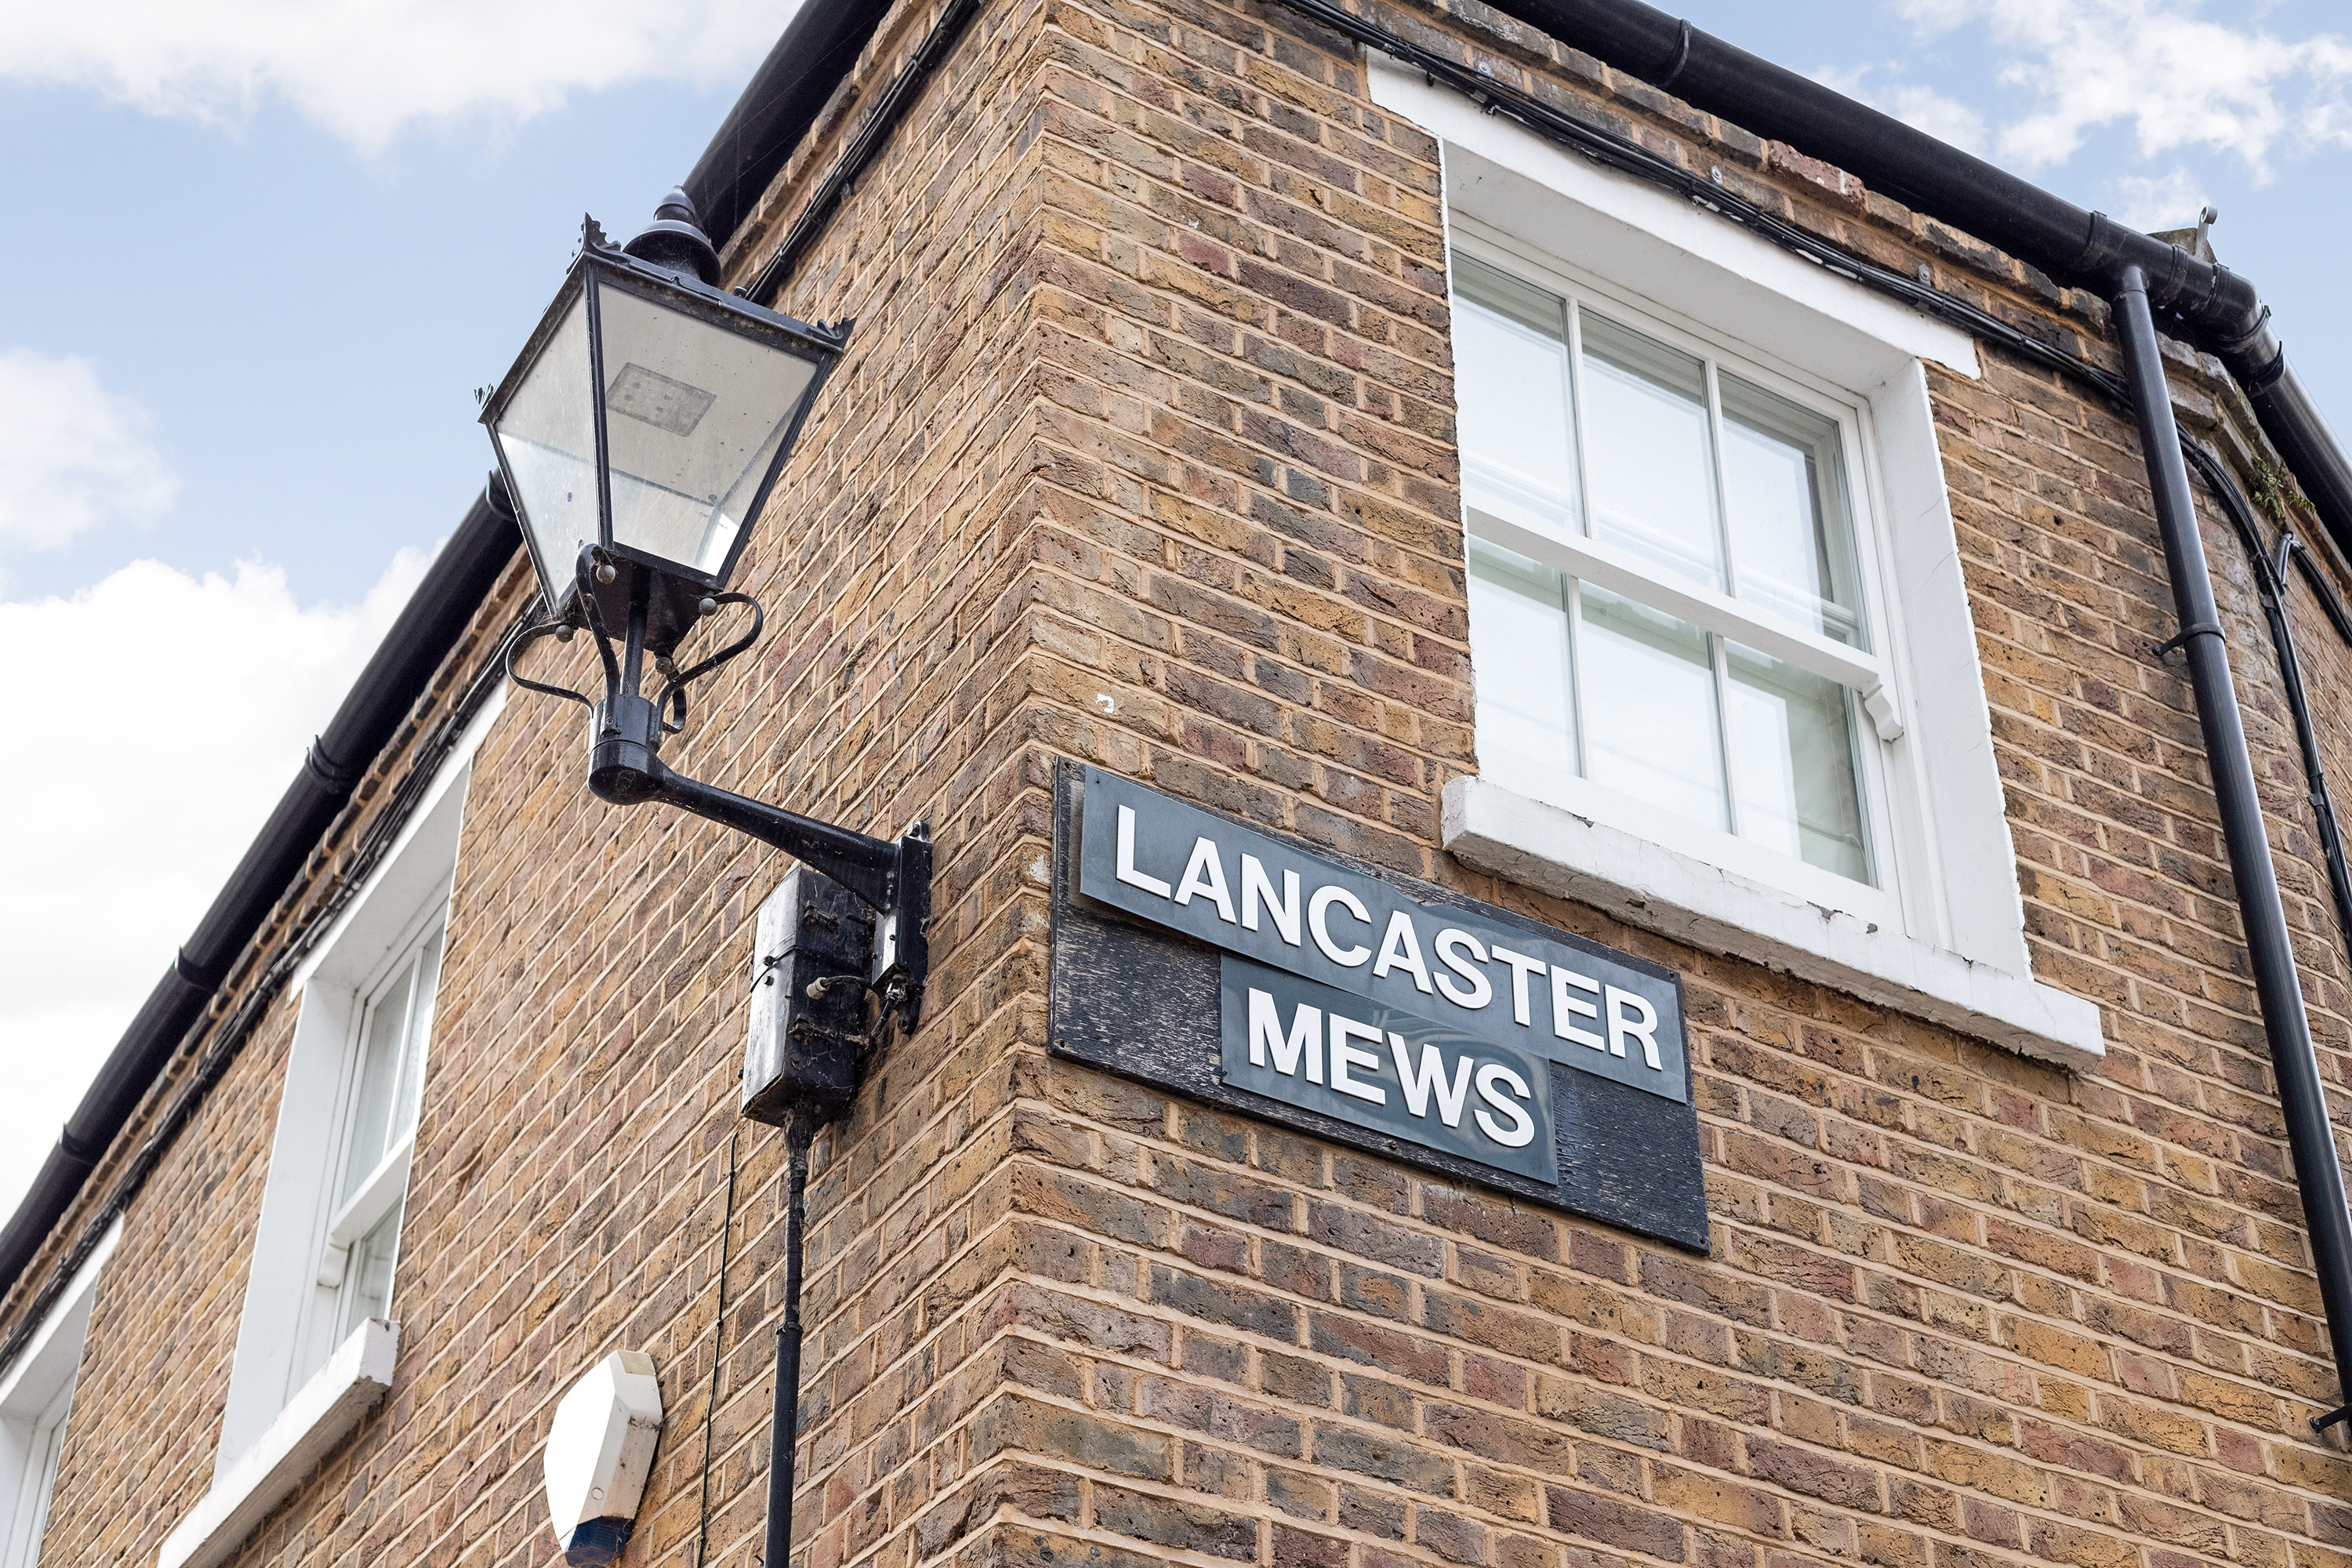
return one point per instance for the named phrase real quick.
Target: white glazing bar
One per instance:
(1721, 652)
(1576, 416)
(1619, 573)
(1575, 608)
(1722, 491)
(375, 1198)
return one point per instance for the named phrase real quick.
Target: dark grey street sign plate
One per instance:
(1369, 1009)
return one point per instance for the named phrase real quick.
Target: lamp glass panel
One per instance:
(693, 413)
(547, 434)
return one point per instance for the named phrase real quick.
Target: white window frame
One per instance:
(1869, 675)
(295, 1388)
(36, 1398)
(1948, 944)
(339, 1229)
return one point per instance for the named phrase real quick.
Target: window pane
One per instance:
(1791, 537)
(1652, 473)
(368, 1292)
(1793, 754)
(418, 1033)
(1650, 716)
(381, 1049)
(548, 436)
(1510, 349)
(687, 455)
(1518, 647)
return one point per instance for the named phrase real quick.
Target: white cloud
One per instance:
(2166, 201)
(367, 69)
(174, 715)
(73, 455)
(1922, 108)
(2178, 79)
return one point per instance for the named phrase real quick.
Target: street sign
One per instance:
(1241, 968)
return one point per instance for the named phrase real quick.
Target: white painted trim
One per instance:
(285, 1325)
(1617, 570)
(457, 765)
(1951, 944)
(1646, 884)
(1659, 238)
(69, 1317)
(314, 1421)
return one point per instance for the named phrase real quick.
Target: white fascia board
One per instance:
(314, 1421)
(1648, 885)
(1629, 228)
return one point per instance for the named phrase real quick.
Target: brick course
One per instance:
(1143, 455)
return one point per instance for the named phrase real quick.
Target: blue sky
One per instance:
(261, 255)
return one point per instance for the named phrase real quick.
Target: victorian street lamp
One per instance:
(638, 433)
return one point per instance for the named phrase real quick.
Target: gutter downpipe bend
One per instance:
(2213, 307)
(2318, 1177)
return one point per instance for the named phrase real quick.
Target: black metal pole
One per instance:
(2310, 1138)
(784, 1432)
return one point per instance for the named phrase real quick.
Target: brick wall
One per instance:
(1143, 454)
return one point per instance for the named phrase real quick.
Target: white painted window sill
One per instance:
(316, 1419)
(1646, 884)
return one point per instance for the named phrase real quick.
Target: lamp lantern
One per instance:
(638, 436)
(648, 419)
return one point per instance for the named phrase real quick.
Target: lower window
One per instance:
(1602, 687)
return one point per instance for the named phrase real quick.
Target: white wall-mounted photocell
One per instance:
(600, 1448)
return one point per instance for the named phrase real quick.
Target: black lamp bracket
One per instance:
(892, 878)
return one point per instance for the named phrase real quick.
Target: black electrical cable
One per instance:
(785, 1427)
(2270, 587)
(717, 1335)
(863, 149)
(2270, 948)
(2286, 1024)
(228, 1037)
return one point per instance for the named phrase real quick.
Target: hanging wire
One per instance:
(717, 1332)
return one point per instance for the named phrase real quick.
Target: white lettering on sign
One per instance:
(1252, 895)
(1127, 871)
(1620, 1025)
(1521, 967)
(1257, 893)
(1450, 945)
(1204, 873)
(1305, 1039)
(1318, 913)
(1521, 1131)
(1564, 1007)
(1344, 1056)
(1399, 949)
(1385, 1069)
(1429, 1078)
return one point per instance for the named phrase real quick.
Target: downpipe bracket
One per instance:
(2181, 639)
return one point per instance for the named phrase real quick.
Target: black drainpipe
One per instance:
(2318, 1177)
(2205, 303)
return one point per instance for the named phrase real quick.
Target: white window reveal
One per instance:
(36, 1394)
(1728, 683)
(318, 1335)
